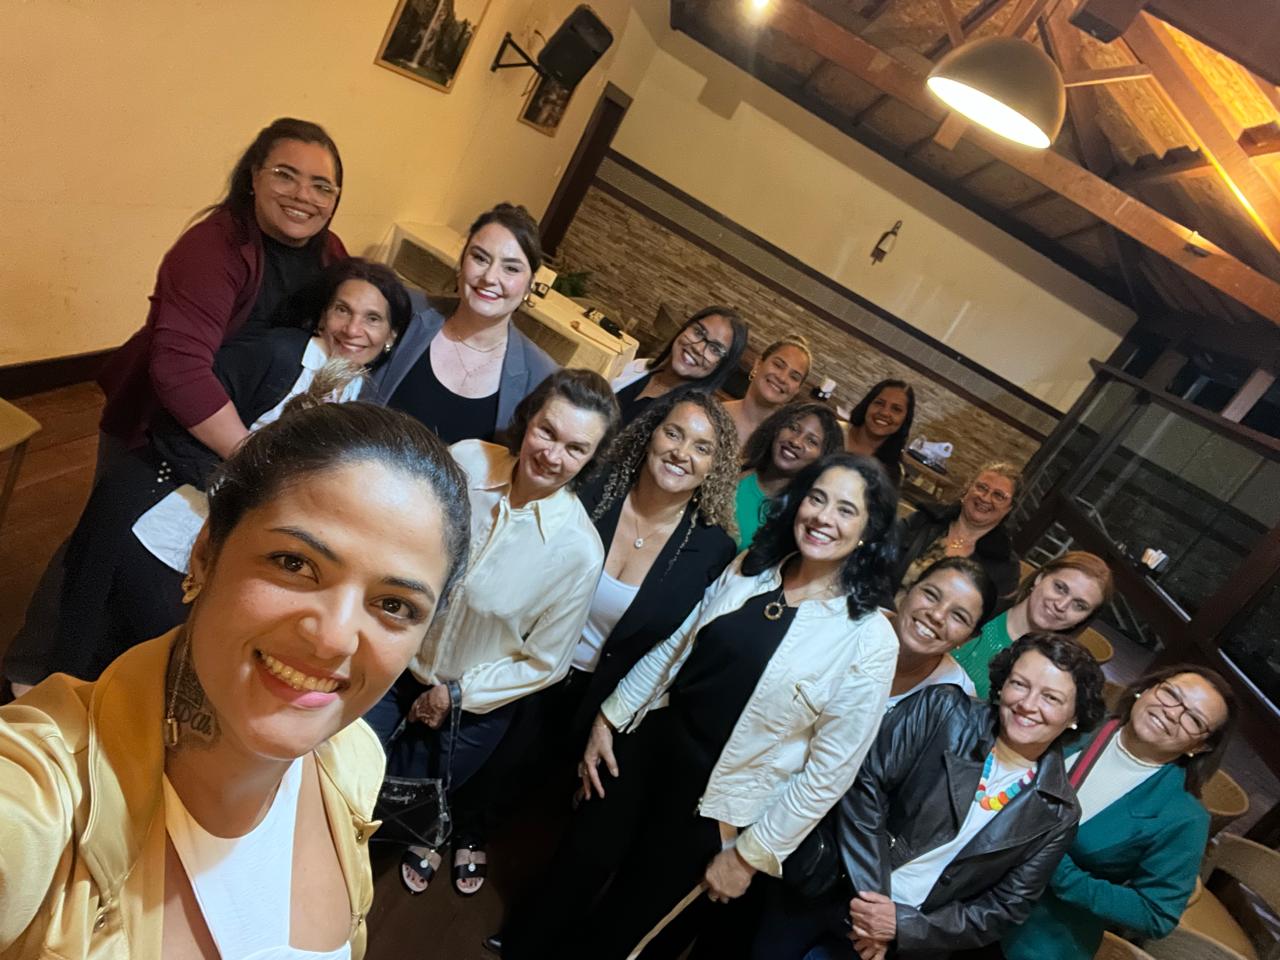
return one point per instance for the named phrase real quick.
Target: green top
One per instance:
(976, 655)
(752, 508)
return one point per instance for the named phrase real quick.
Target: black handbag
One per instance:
(415, 810)
(814, 867)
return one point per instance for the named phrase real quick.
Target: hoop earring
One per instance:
(190, 589)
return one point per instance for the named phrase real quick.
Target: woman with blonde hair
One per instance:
(774, 381)
(1057, 598)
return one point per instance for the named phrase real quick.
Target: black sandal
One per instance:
(476, 869)
(417, 869)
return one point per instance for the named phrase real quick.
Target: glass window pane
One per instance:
(1254, 647)
(1177, 486)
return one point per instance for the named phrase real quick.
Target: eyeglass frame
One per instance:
(1203, 731)
(326, 190)
(702, 336)
(998, 497)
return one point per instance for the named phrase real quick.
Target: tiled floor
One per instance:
(52, 489)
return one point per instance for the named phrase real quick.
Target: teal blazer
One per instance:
(1132, 867)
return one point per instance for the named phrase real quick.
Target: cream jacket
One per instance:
(82, 836)
(799, 741)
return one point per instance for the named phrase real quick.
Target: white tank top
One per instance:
(611, 600)
(244, 884)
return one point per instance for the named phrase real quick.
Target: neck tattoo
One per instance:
(189, 718)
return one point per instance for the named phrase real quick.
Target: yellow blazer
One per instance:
(82, 835)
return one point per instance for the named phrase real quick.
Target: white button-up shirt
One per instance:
(511, 628)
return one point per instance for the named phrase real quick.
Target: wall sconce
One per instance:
(884, 246)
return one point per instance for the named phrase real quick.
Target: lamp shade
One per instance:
(1005, 84)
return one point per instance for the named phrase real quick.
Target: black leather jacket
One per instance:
(912, 795)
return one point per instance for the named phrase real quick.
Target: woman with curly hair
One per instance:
(958, 817)
(663, 507)
(774, 687)
(880, 424)
(787, 442)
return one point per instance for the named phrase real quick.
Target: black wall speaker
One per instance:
(575, 47)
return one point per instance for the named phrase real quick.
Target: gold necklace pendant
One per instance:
(773, 610)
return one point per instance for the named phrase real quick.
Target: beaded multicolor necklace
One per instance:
(1004, 797)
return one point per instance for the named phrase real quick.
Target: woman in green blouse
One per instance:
(1057, 598)
(784, 444)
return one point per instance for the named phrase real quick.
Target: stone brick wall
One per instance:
(637, 264)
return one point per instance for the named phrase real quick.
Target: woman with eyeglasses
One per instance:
(702, 354)
(774, 381)
(1057, 598)
(267, 238)
(1143, 830)
(462, 366)
(788, 441)
(972, 527)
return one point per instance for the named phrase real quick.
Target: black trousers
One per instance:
(791, 924)
(644, 833)
(538, 753)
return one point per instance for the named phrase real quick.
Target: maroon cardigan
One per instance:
(205, 289)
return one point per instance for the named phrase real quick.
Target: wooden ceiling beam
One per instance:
(955, 32)
(1167, 237)
(970, 22)
(1176, 77)
(1188, 168)
(1093, 77)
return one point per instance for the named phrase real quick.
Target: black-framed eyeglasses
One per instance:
(1168, 695)
(717, 350)
(287, 183)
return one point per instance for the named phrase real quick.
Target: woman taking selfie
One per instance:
(702, 355)
(1142, 834)
(132, 545)
(144, 814)
(1057, 598)
(958, 817)
(774, 381)
(787, 442)
(462, 366)
(774, 687)
(523, 601)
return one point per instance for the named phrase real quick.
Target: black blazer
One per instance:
(912, 794)
(994, 550)
(664, 600)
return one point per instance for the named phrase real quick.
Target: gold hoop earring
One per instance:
(190, 589)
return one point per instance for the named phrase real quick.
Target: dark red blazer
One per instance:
(205, 289)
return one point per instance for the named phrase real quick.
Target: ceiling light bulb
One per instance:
(759, 5)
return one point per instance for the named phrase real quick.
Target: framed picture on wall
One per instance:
(427, 39)
(546, 105)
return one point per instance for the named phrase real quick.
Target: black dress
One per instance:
(453, 418)
(646, 831)
(286, 270)
(629, 401)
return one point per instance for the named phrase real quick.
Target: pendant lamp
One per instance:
(1007, 85)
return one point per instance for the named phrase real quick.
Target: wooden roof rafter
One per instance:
(1161, 234)
(1196, 108)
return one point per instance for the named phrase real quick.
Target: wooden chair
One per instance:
(1025, 570)
(1225, 800)
(1252, 864)
(1113, 948)
(1096, 644)
(1187, 944)
(16, 429)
